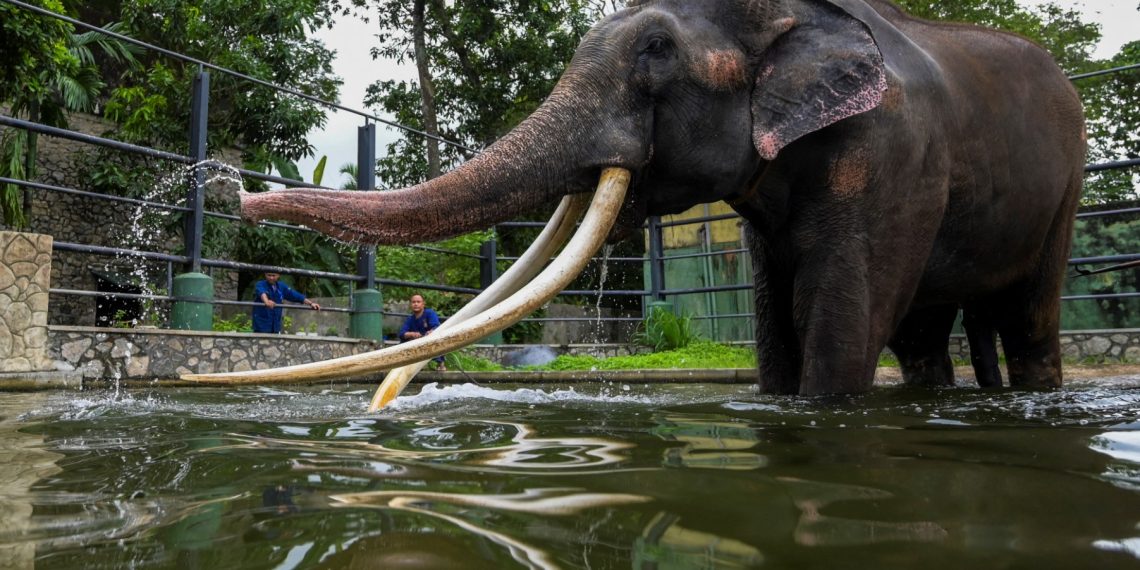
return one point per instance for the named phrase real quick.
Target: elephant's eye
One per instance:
(656, 45)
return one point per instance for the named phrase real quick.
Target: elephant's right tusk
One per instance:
(556, 232)
(591, 234)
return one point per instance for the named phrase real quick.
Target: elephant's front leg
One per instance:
(833, 313)
(777, 346)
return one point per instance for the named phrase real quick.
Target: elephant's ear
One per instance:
(813, 76)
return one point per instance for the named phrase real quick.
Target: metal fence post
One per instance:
(196, 195)
(367, 320)
(488, 273)
(656, 268)
(194, 309)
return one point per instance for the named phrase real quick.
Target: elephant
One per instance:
(890, 170)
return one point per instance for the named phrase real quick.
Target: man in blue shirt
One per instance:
(271, 293)
(420, 323)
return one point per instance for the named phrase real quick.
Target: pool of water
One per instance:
(589, 476)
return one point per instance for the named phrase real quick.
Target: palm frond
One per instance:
(12, 150)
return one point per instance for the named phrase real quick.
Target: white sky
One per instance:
(353, 39)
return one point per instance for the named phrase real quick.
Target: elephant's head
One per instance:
(692, 97)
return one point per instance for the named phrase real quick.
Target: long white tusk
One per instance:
(556, 232)
(591, 234)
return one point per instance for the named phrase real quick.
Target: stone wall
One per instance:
(106, 354)
(25, 278)
(1118, 345)
(100, 353)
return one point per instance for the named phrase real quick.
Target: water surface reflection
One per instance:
(599, 477)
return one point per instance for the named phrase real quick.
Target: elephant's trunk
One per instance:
(526, 169)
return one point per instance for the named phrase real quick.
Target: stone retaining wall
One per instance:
(1118, 345)
(139, 354)
(25, 278)
(114, 354)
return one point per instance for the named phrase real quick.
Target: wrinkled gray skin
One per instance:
(891, 170)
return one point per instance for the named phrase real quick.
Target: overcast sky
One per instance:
(352, 40)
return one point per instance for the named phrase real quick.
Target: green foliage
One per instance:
(1096, 237)
(662, 330)
(269, 42)
(1112, 106)
(701, 354)
(349, 171)
(1112, 103)
(1059, 30)
(238, 323)
(34, 48)
(525, 332)
(288, 248)
(409, 264)
(52, 72)
(467, 362)
(491, 64)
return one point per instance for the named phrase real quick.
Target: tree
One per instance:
(1112, 106)
(52, 73)
(490, 64)
(1111, 102)
(267, 42)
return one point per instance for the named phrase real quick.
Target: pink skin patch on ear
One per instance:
(722, 70)
(769, 144)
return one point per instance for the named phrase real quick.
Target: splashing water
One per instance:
(603, 271)
(148, 229)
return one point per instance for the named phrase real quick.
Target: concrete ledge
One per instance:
(32, 381)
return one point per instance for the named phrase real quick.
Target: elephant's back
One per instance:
(1015, 139)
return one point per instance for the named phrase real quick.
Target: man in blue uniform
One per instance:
(420, 323)
(268, 317)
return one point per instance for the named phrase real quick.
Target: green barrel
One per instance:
(656, 304)
(367, 319)
(195, 310)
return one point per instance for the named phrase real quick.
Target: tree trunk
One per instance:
(427, 90)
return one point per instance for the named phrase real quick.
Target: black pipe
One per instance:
(91, 139)
(1104, 72)
(93, 195)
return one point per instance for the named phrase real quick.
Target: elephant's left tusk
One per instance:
(591, 234)
(556, 232)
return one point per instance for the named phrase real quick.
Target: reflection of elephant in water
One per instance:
(890, 169)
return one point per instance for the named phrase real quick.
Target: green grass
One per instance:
(470, 363)
(701, 354)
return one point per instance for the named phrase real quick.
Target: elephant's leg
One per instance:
(1029, 336)
(778, 349)
(920, 343)
(981, 334)
(833, 314)
(1030, 322)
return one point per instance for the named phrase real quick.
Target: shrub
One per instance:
(662, 330)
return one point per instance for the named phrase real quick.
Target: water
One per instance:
(589, 476)
(603, 272)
